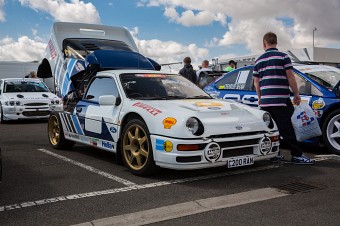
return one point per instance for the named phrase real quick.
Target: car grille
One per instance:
(36, 104)
(36, 113)
(236, 134)
(237, 152)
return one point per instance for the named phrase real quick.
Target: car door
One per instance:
(100, 122)
(238, 85)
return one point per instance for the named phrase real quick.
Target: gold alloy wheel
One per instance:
(53, 130)
(136, 147)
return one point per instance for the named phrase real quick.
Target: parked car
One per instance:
(151, 118)
(26, 98)
(318, 86)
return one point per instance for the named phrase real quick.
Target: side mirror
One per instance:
(107, 100)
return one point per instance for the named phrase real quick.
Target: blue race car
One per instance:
(318, 86)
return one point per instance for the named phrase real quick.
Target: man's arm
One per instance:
(257, 87)
(293, 86)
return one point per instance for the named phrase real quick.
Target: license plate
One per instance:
(240, 161)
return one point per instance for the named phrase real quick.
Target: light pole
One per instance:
(313, 35)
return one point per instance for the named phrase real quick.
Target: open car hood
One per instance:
(112, 60)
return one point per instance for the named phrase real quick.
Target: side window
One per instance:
(101, 86)
(0, 86)
(304, 86)
(241, 80)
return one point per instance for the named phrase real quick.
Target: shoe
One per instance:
(302, 160)
(277, 158)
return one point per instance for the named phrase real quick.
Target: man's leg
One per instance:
(282, 117)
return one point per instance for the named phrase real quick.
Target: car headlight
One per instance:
(268, 120)
(11, 103)
(18, 103)
(195, 126)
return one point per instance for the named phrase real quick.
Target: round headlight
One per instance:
(195, 126)
(17, 103)
(57, 101)
(11, 103)
(267, 119)
(52, 101)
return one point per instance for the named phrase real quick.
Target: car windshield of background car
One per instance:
(16, 86)
(326, 76)
(160, 86)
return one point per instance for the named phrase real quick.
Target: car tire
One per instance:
(2, 121)
(136, 148)
(331, 127)
(56, 134)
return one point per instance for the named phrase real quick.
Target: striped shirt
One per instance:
(271, 68)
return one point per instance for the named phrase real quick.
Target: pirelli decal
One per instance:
(71, 123)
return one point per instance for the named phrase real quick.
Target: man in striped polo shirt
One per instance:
(273, 75)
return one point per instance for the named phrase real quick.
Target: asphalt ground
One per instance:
(43, 186)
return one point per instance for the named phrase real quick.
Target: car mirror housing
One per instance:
(107, 100)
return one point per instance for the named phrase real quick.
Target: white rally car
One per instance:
(26, 98)
(150, 118)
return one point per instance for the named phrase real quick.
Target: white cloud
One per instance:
(2, 13)
(188, 18)
(63, 11)
(23, 49)
(169, 51)
(251, 19)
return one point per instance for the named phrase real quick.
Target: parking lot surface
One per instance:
(43, 186)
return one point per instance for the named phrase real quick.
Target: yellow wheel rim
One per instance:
(135, 147)
(53, 130)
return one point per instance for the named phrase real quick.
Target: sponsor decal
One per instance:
(79, 66)
(214, 108)
(208, 104)
(212, 152)
(238, 127)
(148, 108)
(106, 144)
(52, 49)
(265, 145)
(151, 75)
(94, 142)
(169, 122)
(74, 136)
(113, 130)
(160, 145)
(318, 104)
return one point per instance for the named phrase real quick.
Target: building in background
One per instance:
(319, 55)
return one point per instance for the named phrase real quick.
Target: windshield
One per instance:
(22, 86)
(326, 76)
(160, 87)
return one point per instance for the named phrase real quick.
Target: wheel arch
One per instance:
(328, 112)
(125, 120)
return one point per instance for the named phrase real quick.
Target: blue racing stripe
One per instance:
(76, 124)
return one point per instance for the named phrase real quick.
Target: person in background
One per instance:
(188, 71)
(231, 66)
(204, 67)
(31, 75)
(273, 75)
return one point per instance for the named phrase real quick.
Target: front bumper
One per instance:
(255, 146)
(28, 112)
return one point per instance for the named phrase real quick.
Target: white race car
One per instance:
(151, 118)
(26, 98)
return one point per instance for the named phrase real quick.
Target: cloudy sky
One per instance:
(169, 30)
